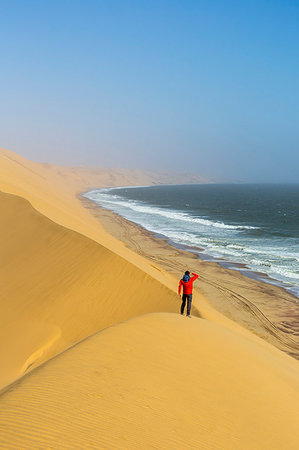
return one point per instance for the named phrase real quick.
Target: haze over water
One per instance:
(256, 225)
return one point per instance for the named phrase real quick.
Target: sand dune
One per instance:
(53, 192)
(58, 286)
(157, 381)
(154, 381)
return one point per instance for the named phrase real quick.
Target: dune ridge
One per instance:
(61, 286)
(84, 365)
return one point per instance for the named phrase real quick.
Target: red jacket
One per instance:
(187, 286)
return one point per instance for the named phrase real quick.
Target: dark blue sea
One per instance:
(253, 225)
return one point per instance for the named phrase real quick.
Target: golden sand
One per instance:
(82, 363)
(59, 286)
(157, 381)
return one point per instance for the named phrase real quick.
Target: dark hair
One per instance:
(187, 272)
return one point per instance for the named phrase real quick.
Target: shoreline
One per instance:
(203, 253)
(264, 308)
(243, 268)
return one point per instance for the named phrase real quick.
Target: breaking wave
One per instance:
(266, 250)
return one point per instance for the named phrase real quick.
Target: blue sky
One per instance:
(203, 86)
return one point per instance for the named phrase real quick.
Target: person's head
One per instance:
(186, 277)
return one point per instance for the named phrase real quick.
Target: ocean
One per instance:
(252, 228)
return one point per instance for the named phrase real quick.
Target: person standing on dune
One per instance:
(187, 283)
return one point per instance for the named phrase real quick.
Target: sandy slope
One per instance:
(58, 286)
(53, 192)
(155, 381)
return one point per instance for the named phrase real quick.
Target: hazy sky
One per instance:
(205, 86)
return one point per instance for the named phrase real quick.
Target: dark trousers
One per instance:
(187, 297)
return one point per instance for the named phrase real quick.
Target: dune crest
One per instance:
(59, 286)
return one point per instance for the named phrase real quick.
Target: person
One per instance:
(187, 283)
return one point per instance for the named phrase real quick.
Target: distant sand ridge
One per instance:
(154, 381)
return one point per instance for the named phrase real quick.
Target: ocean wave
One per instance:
(286, 273)
(246, 244)
(274, 263)
(262, 232)
(114, 200)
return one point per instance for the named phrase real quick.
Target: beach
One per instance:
(93, 350)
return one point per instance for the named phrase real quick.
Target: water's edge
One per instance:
(202, 254)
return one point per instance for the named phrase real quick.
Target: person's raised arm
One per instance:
(195, 276)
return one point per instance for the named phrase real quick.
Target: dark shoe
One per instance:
(188, 315)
